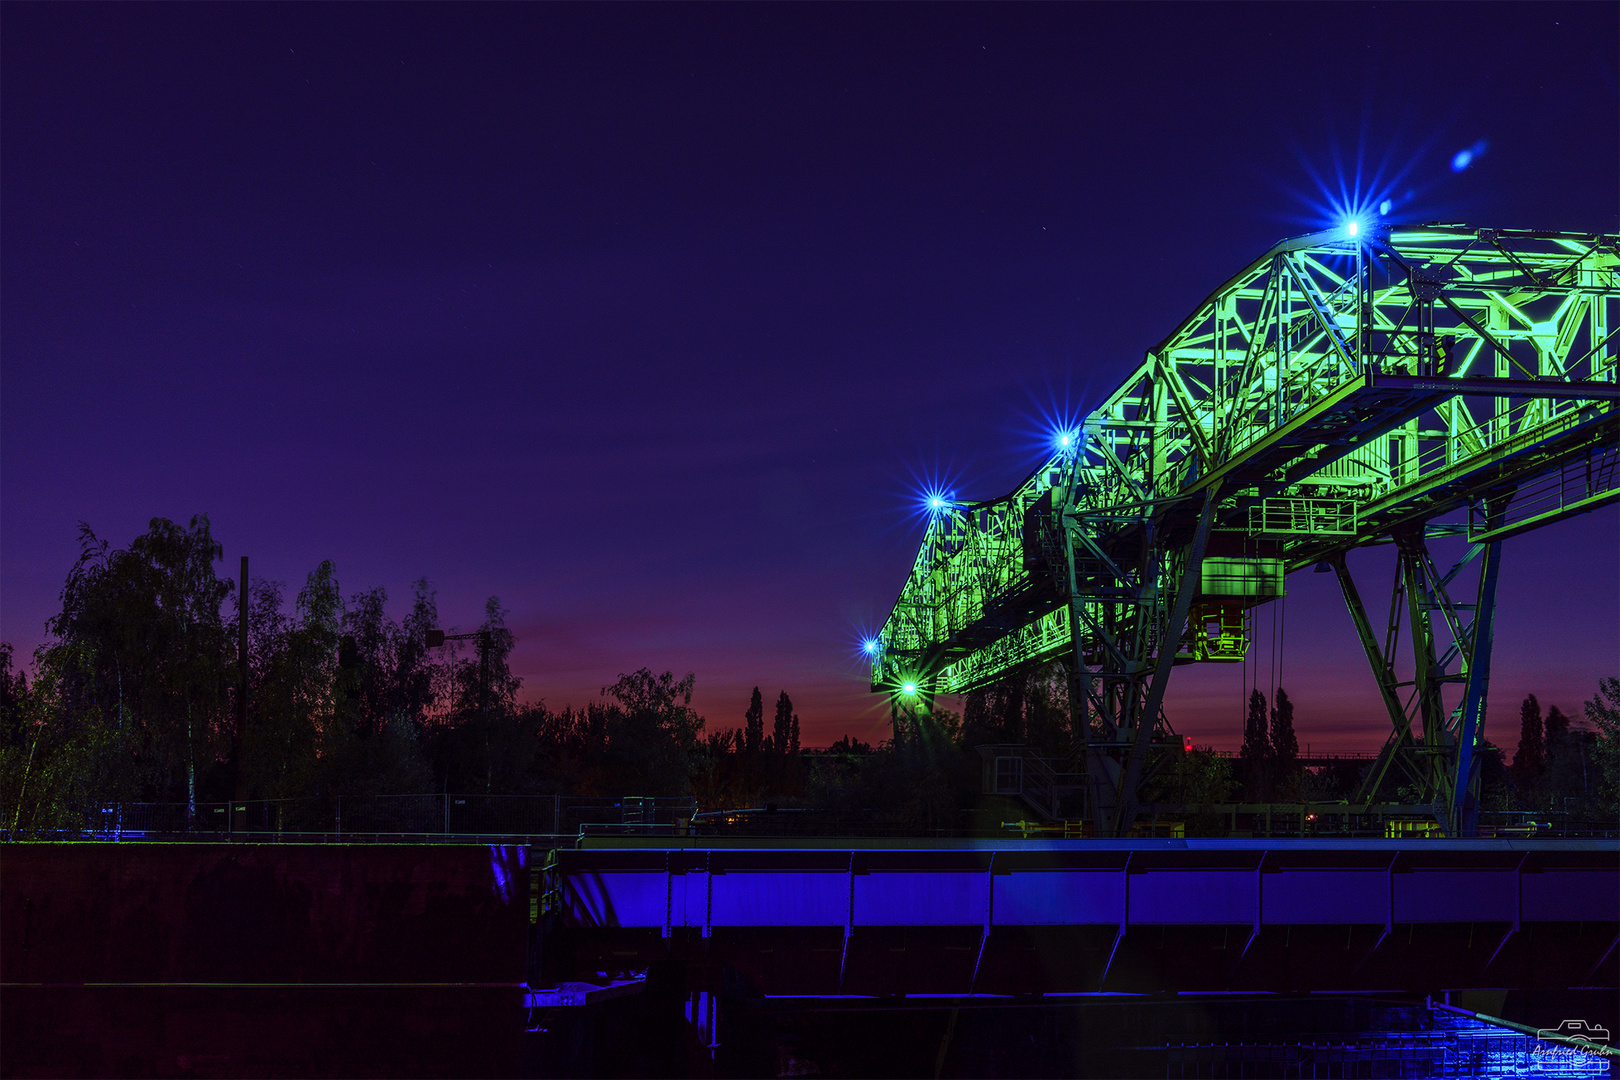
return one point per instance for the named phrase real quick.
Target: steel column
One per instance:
(1464, 816)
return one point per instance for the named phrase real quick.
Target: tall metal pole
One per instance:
(483, 674)
(483, 709)
(239, 792)
(1363, 282)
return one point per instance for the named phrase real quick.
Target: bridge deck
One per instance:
(1067, 917)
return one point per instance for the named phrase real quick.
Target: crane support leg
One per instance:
(1426, 674)
(1465, 784)
(1168, 644)
(1383, 668)
(1101, 780)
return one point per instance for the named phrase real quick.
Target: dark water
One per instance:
(1264, 1037)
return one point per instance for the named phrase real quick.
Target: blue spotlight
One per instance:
(1463, 159)
(936, 500)
(1466, 157)
(870, 646)
(1358, 222)
(1355, 191)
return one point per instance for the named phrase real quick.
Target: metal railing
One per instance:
(534, 818)
(1022, 772)
(360, 818)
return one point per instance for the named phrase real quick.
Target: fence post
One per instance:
(447, 811)
(340, 815)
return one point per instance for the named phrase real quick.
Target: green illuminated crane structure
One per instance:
(1341, 390)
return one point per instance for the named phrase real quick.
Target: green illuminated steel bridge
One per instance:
(1341, 390)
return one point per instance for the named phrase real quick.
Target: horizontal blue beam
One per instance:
(1039, 917)
(1306, 884)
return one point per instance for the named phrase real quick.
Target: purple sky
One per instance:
(648, 320)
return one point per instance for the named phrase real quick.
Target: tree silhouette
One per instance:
(134, 700)
(1555, 729)
(1571, 780)
(1193, 778)
(754, 724)
(782, 726)
(1031, 707)
(1603, 713)
(150, 649)
(1254, 759)
(653, 732)
(1530, 760)
(13, 697)
(1284, 748)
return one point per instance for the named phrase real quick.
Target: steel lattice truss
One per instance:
(1337, 392)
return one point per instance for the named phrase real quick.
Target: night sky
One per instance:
(651, 321)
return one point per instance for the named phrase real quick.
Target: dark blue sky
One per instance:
(647, 319)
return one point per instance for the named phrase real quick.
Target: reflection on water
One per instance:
(1454, 1047)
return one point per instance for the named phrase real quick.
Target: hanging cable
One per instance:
(1282, 639)
(1254, 680)
(1274, 605)
(1243, 668)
